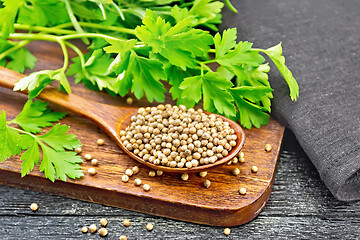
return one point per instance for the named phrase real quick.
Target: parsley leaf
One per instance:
(35, 116)
(55, 160)
(8, 16)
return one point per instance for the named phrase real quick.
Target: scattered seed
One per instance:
(100, 142)
(229, 162)
(103, 222)
(92, 228)
(94, 162)
(268, 147)
(129, 100)
(103, 232)
(184, 176)
(152, 173)
(135, 169)
(34, 207)
(129, 172)
(87, 157)
(227, 231)
(242, 191)
(137, 182)
(203, 174)
(146, 187)
(126, 222)
(149, 226)
(235, 160)
(123, 237)
(241, 154)
(159, 172)
(125, 178)
(92, 171)
(207, 183)
(241, 160)
(254, 169)
(235, 171)
(84, 229)
(78, 150)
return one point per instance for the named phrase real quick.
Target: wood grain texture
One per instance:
(220, 205)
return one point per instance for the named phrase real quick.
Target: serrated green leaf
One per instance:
(35, 115)
(59, 140)
(31, 156)
(224, 43)
(21, 59)
(9, 138)
(8, 15)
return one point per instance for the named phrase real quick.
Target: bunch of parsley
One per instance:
(137, 45)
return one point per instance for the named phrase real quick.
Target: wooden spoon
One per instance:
(113, 119)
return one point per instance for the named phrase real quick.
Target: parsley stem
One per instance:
(99, 26)
(14, 48)
(22, 131)
(43, 29)
(230, 6)
(34, 36)
(78, 52)
(74, 21)
(90, 35)
(65, 53)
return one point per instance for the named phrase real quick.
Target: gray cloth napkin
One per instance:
(321, 42)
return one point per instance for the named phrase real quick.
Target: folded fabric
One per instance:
(321, 42)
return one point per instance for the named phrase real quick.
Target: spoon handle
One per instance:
(76, 104)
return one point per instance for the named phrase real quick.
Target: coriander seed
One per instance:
(126, 222)
(103, 222)
(207, 183)
(159, 172)
(94, 162)
(123, 237)
(203, 174)
(78, 150)
(137, 182)
(100, 142)
(227, 231)
(254, 169)
(125, 178)
(87, 157)
(135, 170)
(149, 226)
(185, 176)
(129, 172)
(129, 100)
(152, 173)
(92, 228)
(242, 191)
(103, 232)
(34, 207)
(92, 171)
(235, 171)
(146, 187)
(84, 229)
(268, 147)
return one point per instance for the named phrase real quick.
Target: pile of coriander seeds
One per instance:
(177, 137)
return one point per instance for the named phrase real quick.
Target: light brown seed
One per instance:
(78, 150)
(129, 100)
(125, 178)
(149, 226)
(242, 191)
(92, 171)
(84, 229)
(94, 162)
(207, 183)
(203, 174)
(123, 237)
(126, 222)
(159, 172)
(185, 176)
(227, 231)
(254, 169)
(268, 147)
(103, 232)
(241, 160)
(34, 207)
(129, 172)
(137, 182)
(103, 222)
(152, 173)
(87, 157)
(100, 142)
(92, 228)
(146, 187)
(135, 169)
(235, 171)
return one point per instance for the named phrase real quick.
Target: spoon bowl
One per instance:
(113, 119)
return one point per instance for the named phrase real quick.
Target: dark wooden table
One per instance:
(300, 206)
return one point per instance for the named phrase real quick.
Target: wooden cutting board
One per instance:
(219, 205)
